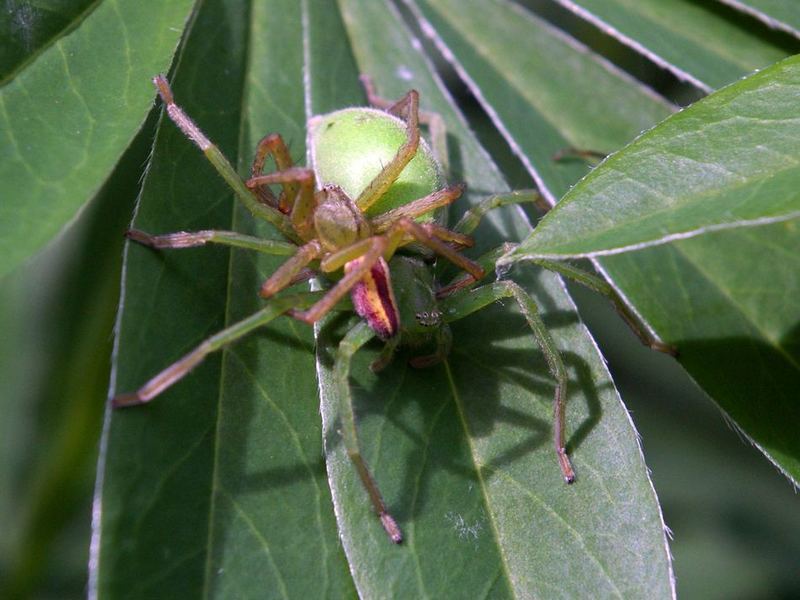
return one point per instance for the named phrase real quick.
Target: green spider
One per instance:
(365, 219)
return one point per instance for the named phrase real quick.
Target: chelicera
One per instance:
(365, 219)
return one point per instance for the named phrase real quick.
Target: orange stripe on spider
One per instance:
(373, 298)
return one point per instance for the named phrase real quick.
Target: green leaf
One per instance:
(67, 117)
(710, 288)
(218, 487)
(462, 451)
(536, 88)
(28, 28)
(779, 14)
(729, 301)
(693, 40)
(729, 160)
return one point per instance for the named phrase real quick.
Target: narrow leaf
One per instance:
(779, 14)
(690, 39)
(655, 280)
(730, 302)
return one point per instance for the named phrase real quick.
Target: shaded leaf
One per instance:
(691, 39)
(779, 14)
(67, 117)
(27, 28)
(729, 160)
(730, 301)
(56, 358)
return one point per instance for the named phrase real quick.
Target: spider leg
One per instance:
(391, 171)
(220, 163)
(570, 152)
(273, 145)
(417, 208)
(369, 251)
(359, 335)
(597, 284)
(431, 237)
(386, 356)
(300, 206)
(460, 305)
(433, 120)
(289, 270)
(444, 343)
(487, 263)
(179, 369)
(191, 239)
(472, 218)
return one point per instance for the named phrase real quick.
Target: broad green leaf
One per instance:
(690, 39)
(779, 14)
(734, 317)
(218, 487)
(462, 451)
(729, 160)
(28, 28)
(67, 117)
(652, 289)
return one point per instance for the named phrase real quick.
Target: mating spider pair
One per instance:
(365, 218)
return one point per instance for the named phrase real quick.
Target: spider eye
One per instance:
(429, 319)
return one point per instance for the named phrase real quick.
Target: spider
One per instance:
(365, 219)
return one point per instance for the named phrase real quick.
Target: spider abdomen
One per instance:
(351, 146)
(373, 298)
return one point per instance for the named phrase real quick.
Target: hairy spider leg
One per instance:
(191, 239)
(591, 156)
(469, 222)
(434, 121)
(417, 208)
(466, 302)
(300, 207)
(221, 164)
(368, 251)
(601, 286)
(391, 170)
(359, 335)
(273, 145)
(180, 368)
(289, 270)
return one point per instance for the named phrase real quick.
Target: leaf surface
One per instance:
(779, 14)
(67, 117)
(218, 487)
(729, 160)
(710, 288)
(463, 451)
(691, 39)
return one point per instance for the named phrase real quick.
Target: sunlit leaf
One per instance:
(729, 160)
(711, 287)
